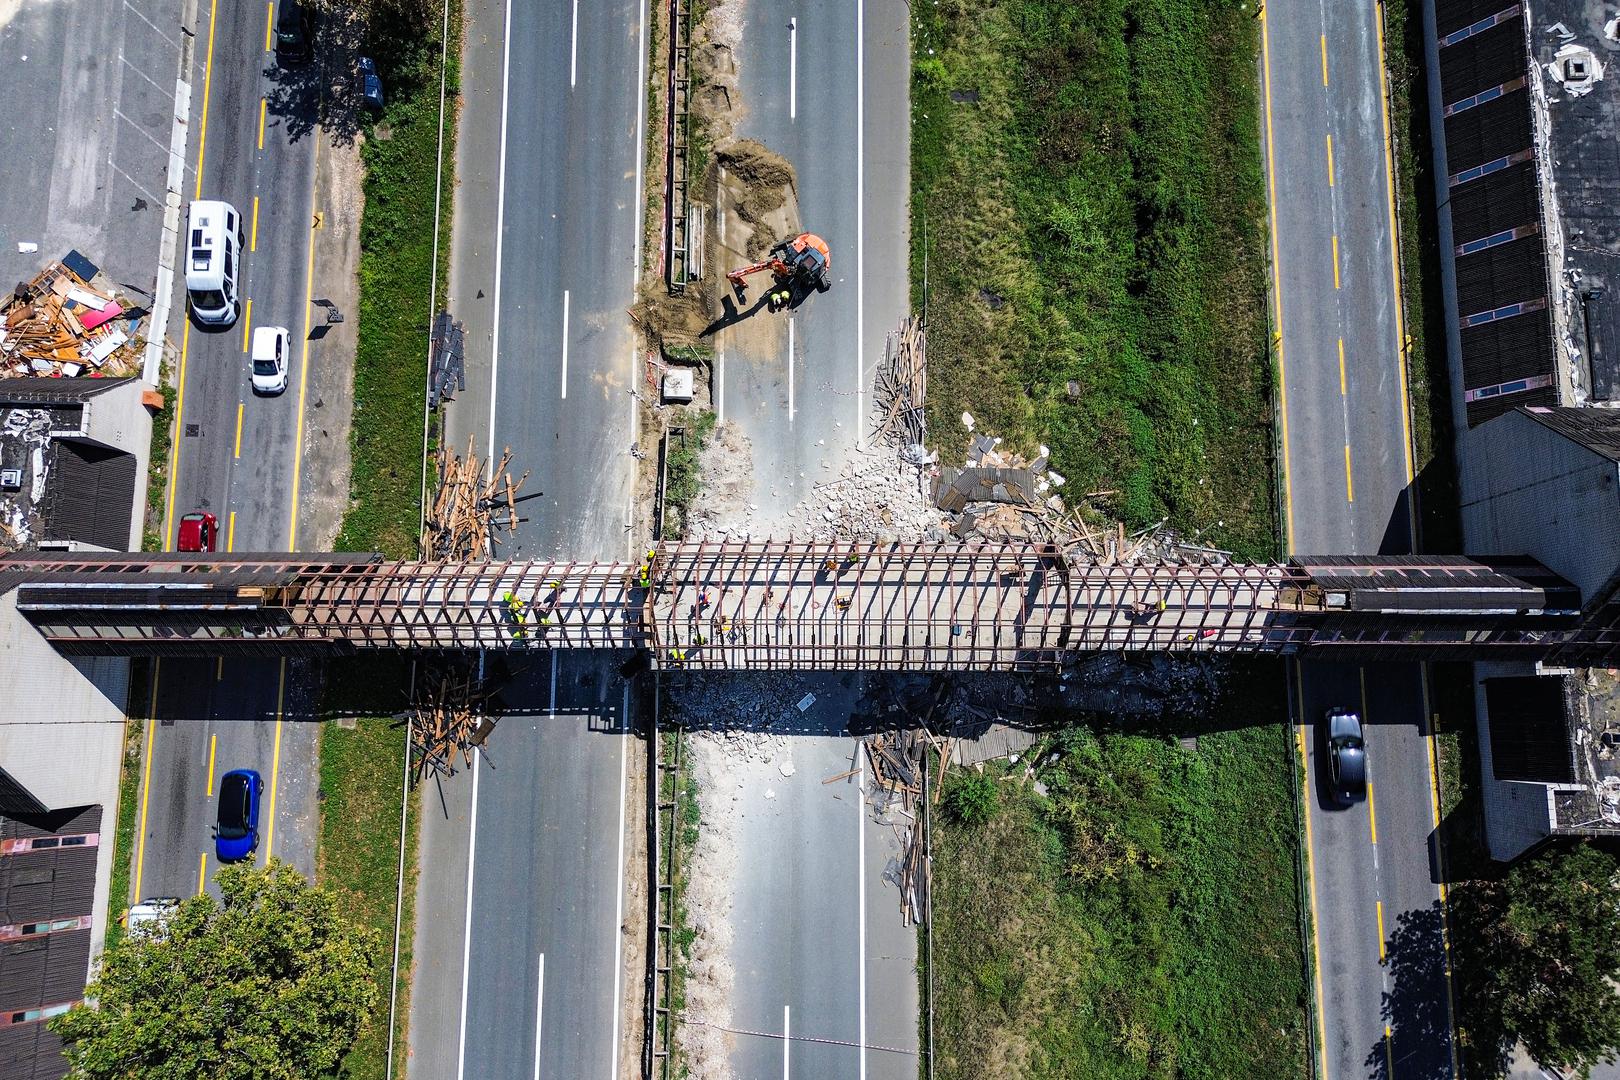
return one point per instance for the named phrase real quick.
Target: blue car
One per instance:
(368, 83)
(236, 836)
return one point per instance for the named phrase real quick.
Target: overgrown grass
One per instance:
(1428, 380)
(358, 858)
(129, 795)
(1141, 920)
(157, 466)
(1088, 218)
(682, 481)
(688, 816)
(396, 265)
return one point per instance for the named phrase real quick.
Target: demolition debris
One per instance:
(59, 325)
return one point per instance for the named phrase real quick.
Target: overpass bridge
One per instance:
(803, 606)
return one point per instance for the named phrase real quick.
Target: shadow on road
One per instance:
(1415, 1005)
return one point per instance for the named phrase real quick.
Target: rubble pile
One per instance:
(59, 325)
(30, 430)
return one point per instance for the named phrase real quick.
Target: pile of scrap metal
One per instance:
(59, 325)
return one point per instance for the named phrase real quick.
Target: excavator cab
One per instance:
(800, 264)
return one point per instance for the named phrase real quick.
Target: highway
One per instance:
(1382, 986)
(519, 955)
(239, 456)
(825, 974)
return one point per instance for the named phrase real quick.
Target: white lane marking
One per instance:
(634, 380)
(860, 846)
(573, 50)
(790, 369)
(466, 929)
(793, 68)
(500, 229)
(539, 1009)
(565, 347)
(618, 893)
(787, 1041)
(720, 382)
(860, 265)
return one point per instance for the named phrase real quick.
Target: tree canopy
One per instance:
(270, 980)
(1538, 954)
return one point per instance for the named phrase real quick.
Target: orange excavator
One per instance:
(796, 265)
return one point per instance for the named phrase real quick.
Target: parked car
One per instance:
(271, 346)
(295, 30)
(199, 531)
(148, 915)
(236, 835)
(368, 84)
(1347, 757)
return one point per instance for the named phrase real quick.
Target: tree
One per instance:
(270, 981)
(1536, 955)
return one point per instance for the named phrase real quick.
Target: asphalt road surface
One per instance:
(1383, 1006)
(237, 456)
(519, 954)
(825, 974)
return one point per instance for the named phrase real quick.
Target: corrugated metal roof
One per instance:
(54, 391)
(1529, 727)
(90, 497)
(1596, 429)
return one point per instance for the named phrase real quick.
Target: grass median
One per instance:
(360, 763)
(1140, 918)
(1088, 243)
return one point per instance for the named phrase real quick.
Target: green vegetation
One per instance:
(129, 795)
(278, 958)
(1088, 244)
(1428, 380)
(396, 267)
(361, 776)
(157, 466)
(682, 481)
(673, 862)
(1140, 920)
(1538, 954)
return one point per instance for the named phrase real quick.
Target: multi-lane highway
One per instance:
(239, 456)
(1382, 985)
(520, 959)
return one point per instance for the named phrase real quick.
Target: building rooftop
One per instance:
(1576, 89)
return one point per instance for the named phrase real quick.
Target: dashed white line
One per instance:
(720, 384)
(618, 893)
(500, 229)
(539, 1009)
(860, 264)
(466, 929)
(860, 879)
(790, 369)
(787, 1040)
(573, 50)
(793, 68)
(565, 347)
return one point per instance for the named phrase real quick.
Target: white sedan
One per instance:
(271, 346)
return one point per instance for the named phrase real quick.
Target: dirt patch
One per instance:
(765, 183)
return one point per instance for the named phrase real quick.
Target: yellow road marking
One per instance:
(1335, 260)
(242, 406)
(1372, 815)
(146, 777)
(202, 872)
(1276, 291)
(208, 82)
(1324, 60)
(303, 373)
(1330, 158)
(175, 435)
(230, 533)
(1343, 389)
(269, 21)
(1310, 878)
(1395, 267)
(263, 107)
(253, 236)
(1382, 955)
(1389, 1053)
(275, 764)
(1349, 484)
(247, 323)
(213, 744)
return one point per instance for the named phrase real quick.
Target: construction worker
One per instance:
(677, 658)
(829, 565)
(842, 603)
(853, 559)
(704, 599)
(516, 611)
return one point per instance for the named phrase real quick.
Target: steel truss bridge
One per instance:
(770, 605)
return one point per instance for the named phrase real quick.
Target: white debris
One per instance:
(786, 768)
(967, 420)
(25, 247)
(770, 793)
(806, 701)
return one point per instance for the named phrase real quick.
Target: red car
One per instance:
(198, 532)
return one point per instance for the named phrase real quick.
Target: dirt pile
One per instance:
(767, 182)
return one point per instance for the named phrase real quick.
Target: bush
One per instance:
(972, 799)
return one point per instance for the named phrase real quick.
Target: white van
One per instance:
(214, 241)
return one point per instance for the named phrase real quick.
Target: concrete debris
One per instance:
(59, 325)
(1577, 68)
